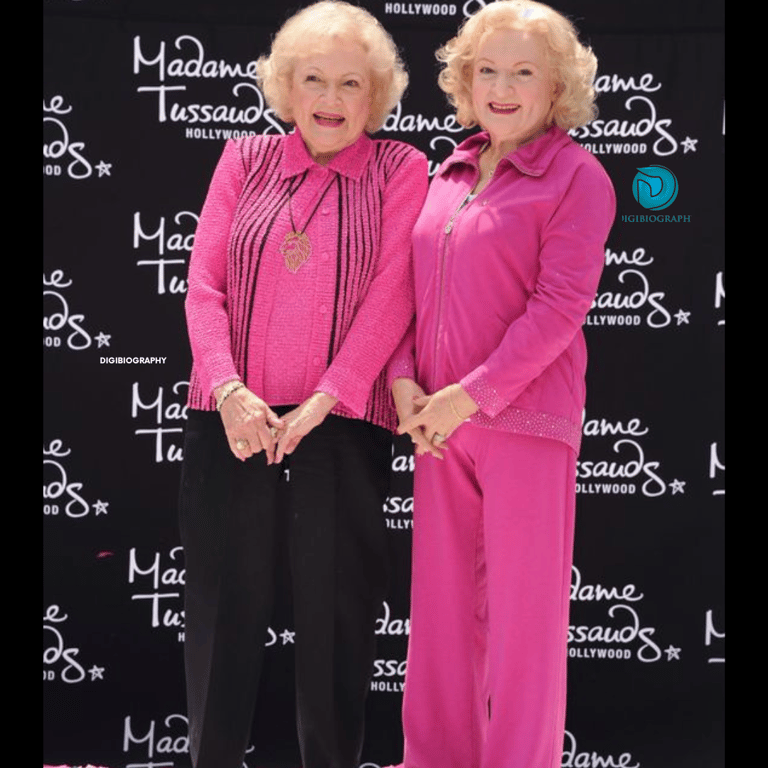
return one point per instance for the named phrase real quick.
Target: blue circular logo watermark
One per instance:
(655, 187)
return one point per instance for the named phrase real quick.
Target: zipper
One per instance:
(448, 229)
(449, 225)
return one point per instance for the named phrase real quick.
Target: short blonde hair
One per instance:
(313, 29)
(572, 65)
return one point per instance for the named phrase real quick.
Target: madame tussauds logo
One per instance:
(174, 87)
(163, 740)
(655, 188)
(60, 660)
(620, 633)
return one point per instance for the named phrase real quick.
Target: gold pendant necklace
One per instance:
(296, 249)
(296, 246)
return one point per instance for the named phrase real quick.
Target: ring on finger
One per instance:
(437, 439)
(241, 445)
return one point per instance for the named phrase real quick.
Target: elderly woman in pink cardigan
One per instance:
(508, 252)
(300, 289)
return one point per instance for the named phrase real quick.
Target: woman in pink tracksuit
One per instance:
(508, 252)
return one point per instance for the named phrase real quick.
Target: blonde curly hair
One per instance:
(572, 65)
(314, 29)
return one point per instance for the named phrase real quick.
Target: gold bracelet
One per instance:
(453, 407)
(230, 388)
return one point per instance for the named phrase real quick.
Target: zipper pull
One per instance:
(449, 227)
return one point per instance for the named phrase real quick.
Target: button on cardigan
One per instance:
(504, 283)
(333, 324)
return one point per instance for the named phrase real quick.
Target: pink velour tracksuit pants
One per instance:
(492, 554)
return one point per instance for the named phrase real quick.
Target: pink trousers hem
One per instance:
(492, 556)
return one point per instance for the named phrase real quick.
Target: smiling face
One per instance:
(512, 90)
(331, 98)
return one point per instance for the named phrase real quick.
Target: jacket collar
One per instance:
(531, 159)
(349, 162)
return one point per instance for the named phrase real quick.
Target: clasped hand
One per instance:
(430, 419)
(252, 426)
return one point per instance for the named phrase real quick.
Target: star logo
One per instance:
(100, 507)
(287, 637)
(96, 673)
(103, 339)
(104, 169)
(678, 486)
(673, 653)
(682, 317)
(689, 145)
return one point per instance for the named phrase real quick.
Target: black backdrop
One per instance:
(138, 99)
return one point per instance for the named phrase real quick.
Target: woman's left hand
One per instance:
(301, 421)
(441, 413)
(406, 393)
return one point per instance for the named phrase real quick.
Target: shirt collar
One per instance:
(531, 159)
(349, 162)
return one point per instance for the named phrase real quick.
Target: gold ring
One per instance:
(241, 445)
(437, 438)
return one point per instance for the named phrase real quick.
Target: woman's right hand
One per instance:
(405, 392)
(251, 425)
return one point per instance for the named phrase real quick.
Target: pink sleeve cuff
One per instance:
(400, 369)
(402, 364)
(487, 398)
(346, 387)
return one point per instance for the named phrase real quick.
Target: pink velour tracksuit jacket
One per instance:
(504, 284)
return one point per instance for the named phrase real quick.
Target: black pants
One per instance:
(332, 502)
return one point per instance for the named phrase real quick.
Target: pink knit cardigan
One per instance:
(333, 325)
